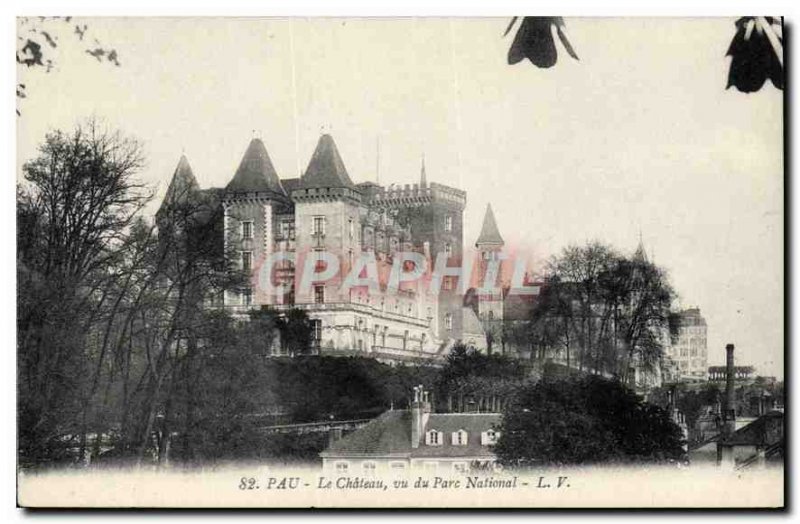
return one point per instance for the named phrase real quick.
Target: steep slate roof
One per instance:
(182, 185)
(390, 434)
(471, 325)
(290, 184)
(765, 430)
(518, 307)
(255, 172)
(326, 169)
(489, 232)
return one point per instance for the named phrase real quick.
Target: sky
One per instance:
(638, 137)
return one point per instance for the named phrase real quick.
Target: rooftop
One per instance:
(390, 434)
(256, 172)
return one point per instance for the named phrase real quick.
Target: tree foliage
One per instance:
(600, 311)
(79, 199)
(471, 380)
(38, 40)
(584, 420)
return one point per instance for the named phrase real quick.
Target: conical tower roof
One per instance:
(640, 254)
(490, 235)
(326, 169)
(183, 184)
(256, 172)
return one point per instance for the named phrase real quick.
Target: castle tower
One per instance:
(327, 219)
(182, 188)
(251, 200)
(490, 303)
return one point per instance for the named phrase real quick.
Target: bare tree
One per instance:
(79, 199)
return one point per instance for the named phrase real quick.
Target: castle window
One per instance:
(397, 465)
(247, 296)
(319, 294)
(491, 315)
(448, 250)
(319, 264)
(318, 226)
(459, 438)
(247, 229)
(447, 284)
(448, 321)
(350, 228)
(433, 438)
(342, 467)
(247, 261)
(287, 229)
(316, 330)
(448, 223)
(368, 467)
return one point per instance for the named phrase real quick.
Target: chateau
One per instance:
(283, 231)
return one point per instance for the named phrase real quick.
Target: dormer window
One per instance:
(433, 438)
(459, 438)
(489, 437)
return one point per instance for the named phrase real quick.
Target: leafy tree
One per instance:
(471, 378)
(756, 50)
(601, 311)
(38, 41)
(296, 332)
(583, 420)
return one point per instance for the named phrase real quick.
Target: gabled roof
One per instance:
(489, 233)
(390, 434)
(764, 431)
(183, 183)
(326, 169)
(256, 172)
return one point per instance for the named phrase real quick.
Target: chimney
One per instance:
(729, 408)
(420, 410)
(334, 434)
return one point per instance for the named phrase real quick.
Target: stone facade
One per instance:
(282, 231)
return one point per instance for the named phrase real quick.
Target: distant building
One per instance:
(757, 444)
(688, 350)
(416, 438)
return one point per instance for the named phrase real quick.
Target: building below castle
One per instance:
(416, 438)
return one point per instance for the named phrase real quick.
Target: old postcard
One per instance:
(516, 262)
